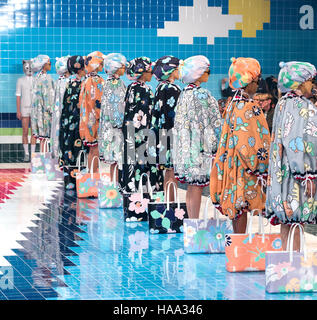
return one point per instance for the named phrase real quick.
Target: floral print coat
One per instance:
(90, 103)
(60, 87)
(43, 100)
(197, 132)
(138, 106)
(111, 119)
(163, 115)
(293, 164)
(240, 168)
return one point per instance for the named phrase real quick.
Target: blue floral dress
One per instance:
(111, 119)
(197, 131)
(293, 164)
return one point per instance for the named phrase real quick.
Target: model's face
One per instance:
(174, 75)
(27, 68)
(205, 76)
(306, 88)
(146, 76)
(120, 72)
(47, 66)
(81, 73)
(252, 87)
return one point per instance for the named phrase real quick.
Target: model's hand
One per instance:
(19, 116)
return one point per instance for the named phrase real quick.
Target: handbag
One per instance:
(289, 271)
(135, 204)
(166, 217)
(37, 159)
(109, 195)
(51, 165)
(206, 235)
(87, 182)
(246, 252)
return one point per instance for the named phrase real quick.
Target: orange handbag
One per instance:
(87, 182)
(246, 252)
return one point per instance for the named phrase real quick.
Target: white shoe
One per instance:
(26, 158)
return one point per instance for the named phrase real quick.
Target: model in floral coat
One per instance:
(239, 173)
(138, 105)
(70, 143)
(112, 112)
(60, 87)
(43, 98)
(291, 192)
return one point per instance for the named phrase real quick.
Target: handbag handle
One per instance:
(46, 146)
(250, 223)
(148, 185)
(114, 176)
(79, 158)
(216, 213)
(168, 195)
(91, 171)
(290, 241)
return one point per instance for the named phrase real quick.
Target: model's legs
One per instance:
(193, 201)
(25, 139)
(114, 167)
(284, 236)
(170, 177)
(240, 225)
(93, 152)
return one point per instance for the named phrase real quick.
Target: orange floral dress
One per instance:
(239, 172)
(90, 103)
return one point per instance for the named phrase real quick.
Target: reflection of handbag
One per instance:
(206, 235)
(51, 165)
(87, 182)
(246, 252)
(166, 217)
(109, 195)
(289, 271)
(135, 204)
(37, 159)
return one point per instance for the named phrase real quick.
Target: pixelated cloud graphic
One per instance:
(200, 20)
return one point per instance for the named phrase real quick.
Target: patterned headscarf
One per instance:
(164, 67)
(61, 65)
(113, 62)
(93, 61)
(75, 63)
(243, 71)
(136, 67)
(293, 74)
(193, 68)
(39, 62)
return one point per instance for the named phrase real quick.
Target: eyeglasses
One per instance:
(208, 72)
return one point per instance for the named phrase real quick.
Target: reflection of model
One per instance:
(24, 105)
(43, 99)
(112, 111)
(60, 86)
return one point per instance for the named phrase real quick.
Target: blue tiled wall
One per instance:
(61, 27)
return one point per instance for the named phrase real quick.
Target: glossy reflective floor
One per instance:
(57, 247)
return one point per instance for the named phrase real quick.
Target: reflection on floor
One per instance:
(74, 250)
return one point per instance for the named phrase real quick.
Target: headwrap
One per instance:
(164, 67)
(61, 65)
(243, 71)
(293, 74)
(136, 67)
(75, 63)
(93, 61)
(113, 62)
(39, 62)
(193, 68)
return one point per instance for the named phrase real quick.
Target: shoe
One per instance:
(26, 158)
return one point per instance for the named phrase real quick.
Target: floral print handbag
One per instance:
(166, 217)
(109, 195)
(206, 235)
(290, 271)
(246, 252)
(37, 159)
(135, 205)
(87, 182)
